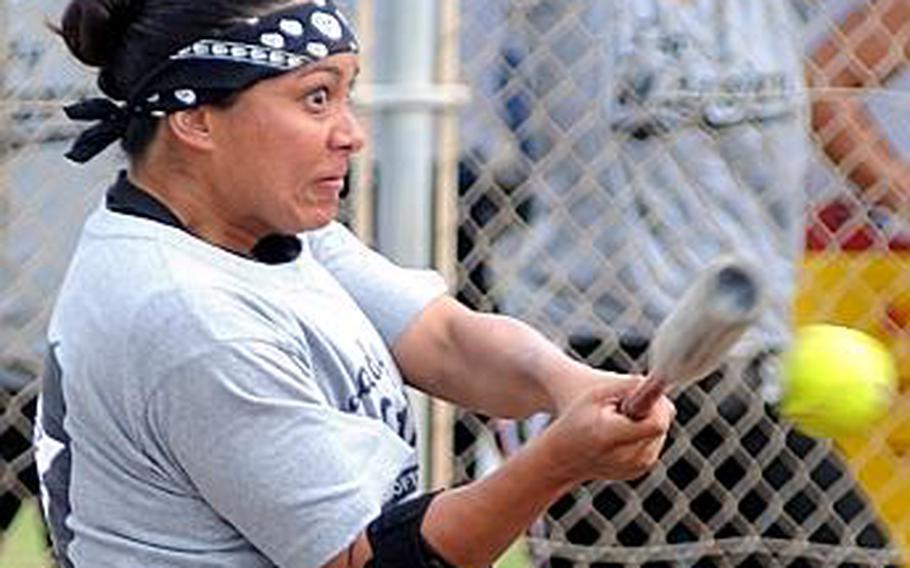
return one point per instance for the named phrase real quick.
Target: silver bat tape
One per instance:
(693, 340)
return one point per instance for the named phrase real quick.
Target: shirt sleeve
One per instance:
(390, 295)
(257, 440)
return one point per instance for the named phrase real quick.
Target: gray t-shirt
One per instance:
(205, 410)
(661, 135)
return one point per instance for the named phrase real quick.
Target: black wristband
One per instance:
(397, 541)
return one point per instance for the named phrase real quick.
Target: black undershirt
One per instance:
(126, 198)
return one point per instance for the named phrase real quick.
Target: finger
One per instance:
(614, 387)
(622, 384)
(629, 432)
(662, 411)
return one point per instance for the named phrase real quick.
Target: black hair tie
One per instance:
(112, 122)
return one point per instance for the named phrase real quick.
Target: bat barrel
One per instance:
(737, 291)
(693, 340)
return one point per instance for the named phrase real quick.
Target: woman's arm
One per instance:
(473, 525)
(490, 363)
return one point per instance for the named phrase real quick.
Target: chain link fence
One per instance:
(42, 203)
(610, 149)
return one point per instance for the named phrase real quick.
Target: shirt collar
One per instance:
(129, 199)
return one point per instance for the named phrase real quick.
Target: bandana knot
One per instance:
(112, 119)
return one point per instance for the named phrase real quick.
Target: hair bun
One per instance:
(93, 29)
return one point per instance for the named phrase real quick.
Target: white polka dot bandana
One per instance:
(213, 68)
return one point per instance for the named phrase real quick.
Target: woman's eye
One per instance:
(318, 98)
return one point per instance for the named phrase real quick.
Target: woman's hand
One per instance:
(592, 439)
(578, 379)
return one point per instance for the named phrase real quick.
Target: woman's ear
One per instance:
(192, 127)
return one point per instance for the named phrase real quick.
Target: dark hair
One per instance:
(124, 39)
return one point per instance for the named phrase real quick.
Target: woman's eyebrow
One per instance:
(327, 68)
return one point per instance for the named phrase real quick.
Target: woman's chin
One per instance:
(318, 218)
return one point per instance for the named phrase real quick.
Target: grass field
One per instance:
(516, 557)
(23, 547)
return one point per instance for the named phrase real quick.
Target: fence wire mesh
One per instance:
(42, 204)
(612, 147)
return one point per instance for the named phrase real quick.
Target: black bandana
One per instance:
(211, 69)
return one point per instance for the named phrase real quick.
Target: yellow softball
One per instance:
(836, 381)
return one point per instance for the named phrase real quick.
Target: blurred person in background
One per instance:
(649, 137)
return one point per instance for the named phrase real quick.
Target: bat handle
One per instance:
(637, 405)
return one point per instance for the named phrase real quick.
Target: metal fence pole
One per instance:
(406, 49)
(405, 55)
(405, 98)
(362, 197)
(442, 414)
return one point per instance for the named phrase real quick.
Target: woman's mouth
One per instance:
(332, 184)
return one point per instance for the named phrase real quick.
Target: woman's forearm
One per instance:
(516, 360)
(489, 363)
(473, 525)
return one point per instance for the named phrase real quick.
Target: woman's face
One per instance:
(281, 151)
